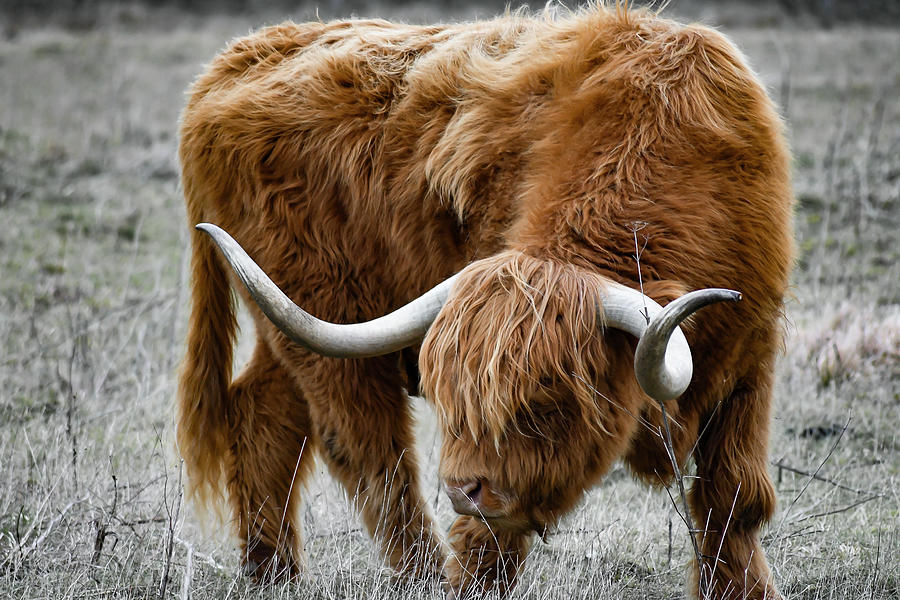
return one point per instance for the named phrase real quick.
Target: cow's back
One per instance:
(399, 153)
(315, 143)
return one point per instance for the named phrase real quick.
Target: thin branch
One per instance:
(37, 542)
(712, 575)
(667, 440)
(208, 558)
(812, 476)
(103, 522)
(635, 227)
(173, 514)
(877, 560)
(780, 465)
(837, 510)
(670, 449)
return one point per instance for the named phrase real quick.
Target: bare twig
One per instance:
(784, 90)
(781, 465)
(173, 513)
(875, 570)
(287, 501)
(865, 199)
(712, 575)
(37, 516)
(837, 510)
(188, 574)
(68, 388)
(679, 480)
(812, 476)
(635, 227)
(207, 558)
(128, 307)
(684, 514)
(669, 553)
(830, 167)
(805, 531)
(673, 501)
(102, 523)
(40, 539)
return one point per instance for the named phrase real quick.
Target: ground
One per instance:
(93, 306)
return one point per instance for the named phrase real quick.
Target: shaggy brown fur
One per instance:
(361, 162)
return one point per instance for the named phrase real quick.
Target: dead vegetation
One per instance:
(92, 316)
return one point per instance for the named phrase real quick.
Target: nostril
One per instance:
(471, 489)
(473, 497)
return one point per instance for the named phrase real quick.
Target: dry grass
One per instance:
(92, 315)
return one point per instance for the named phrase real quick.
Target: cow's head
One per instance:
(524, 361)
(521, 373)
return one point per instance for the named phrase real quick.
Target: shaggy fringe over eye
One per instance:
(512, 321)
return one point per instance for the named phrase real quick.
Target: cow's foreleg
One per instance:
(363, 421)
(269, 458)
(733, 495)
(484, 559)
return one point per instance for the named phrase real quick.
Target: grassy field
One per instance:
(93, 312)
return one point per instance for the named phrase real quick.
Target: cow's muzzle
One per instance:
(475, 497)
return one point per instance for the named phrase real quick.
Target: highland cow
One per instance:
(363, 163)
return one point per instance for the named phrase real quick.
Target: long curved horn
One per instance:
(662, 361)
(395, 331)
